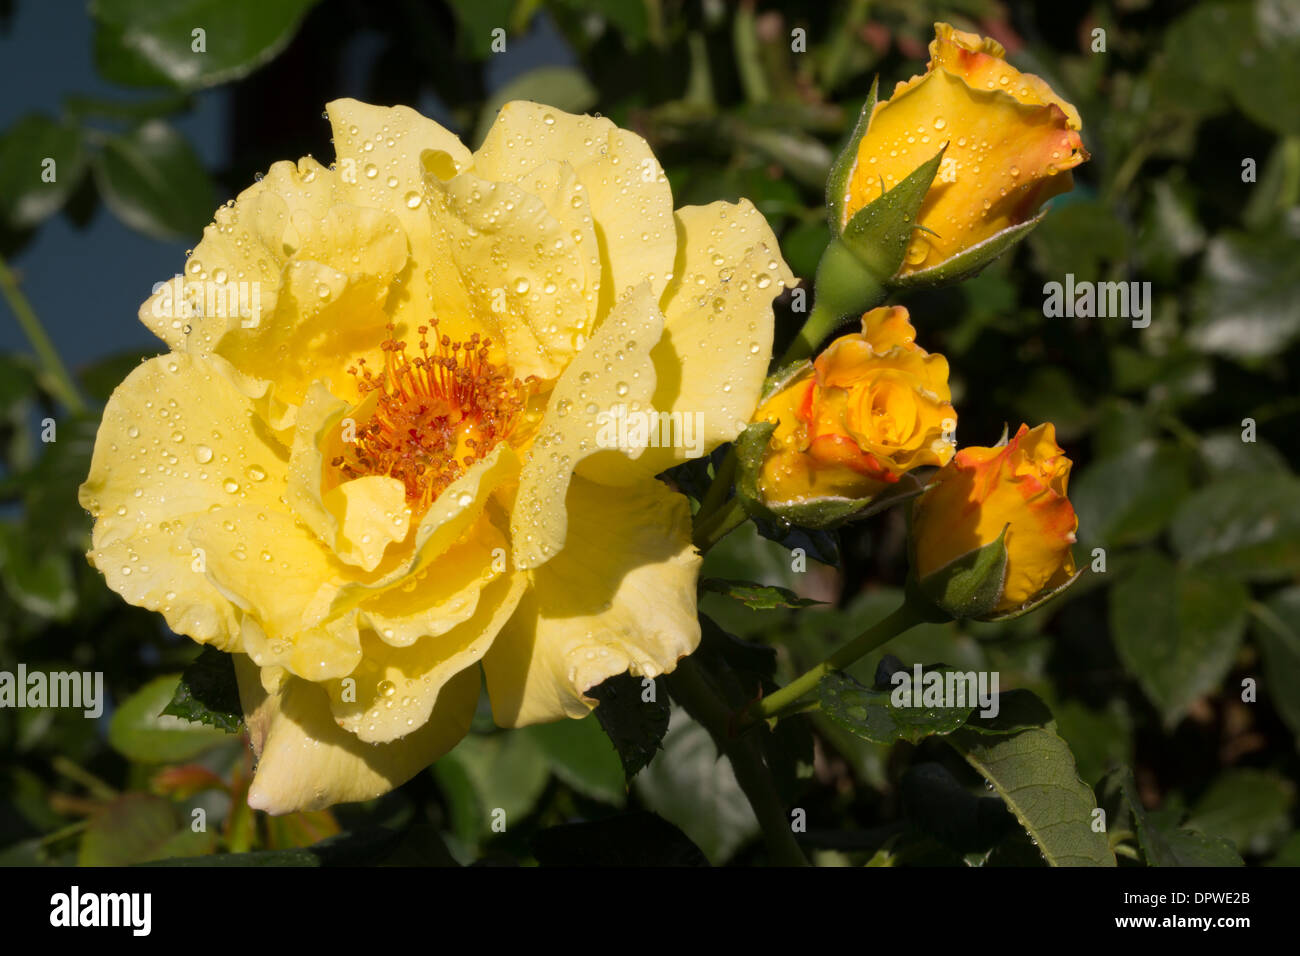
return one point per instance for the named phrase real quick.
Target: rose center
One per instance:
(435, 415)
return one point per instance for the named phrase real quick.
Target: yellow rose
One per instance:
(370, 462)
(1011, 143)
(1019, 487)
(873, 406)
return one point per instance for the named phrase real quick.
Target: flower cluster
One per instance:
(388, 480)
(935, 182)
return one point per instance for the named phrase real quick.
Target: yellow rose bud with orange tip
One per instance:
(1010, 144)
(844, 429)
(939, 180)
(991, 535)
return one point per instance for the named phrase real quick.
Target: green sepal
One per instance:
(842, 169)
(781, 378)
(879, 232)
(1035, 602)
(969, 586)
(968, 262)
(821, 513)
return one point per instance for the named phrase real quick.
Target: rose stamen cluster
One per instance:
(435, 414)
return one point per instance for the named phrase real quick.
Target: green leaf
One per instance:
(758, 597)
(1018, 710)
(1176, 630)
(564, 87)
(803, 157)
(692, 787)
(153, 181)
(939, 805)
(26, 198)
(582, 756)
(476, 20)
(1248, 299)
(871, 714)
(630, 17)
(157, 40)
(1225, 455)
(137, 827)
(634, 724)
(1245, 527)
(117, 63)
(41, 583)
(1034, 773)
(52, 516)
(1250, 807)
(208, 692)
(1079, 238)
(1130, 497)
(628, 839)
(1277, 629)
(508, 772)
(1173, 847)
(141, 731)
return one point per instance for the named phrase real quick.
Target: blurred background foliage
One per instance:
(1142, 666)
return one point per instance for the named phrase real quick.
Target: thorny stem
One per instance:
(787, 700)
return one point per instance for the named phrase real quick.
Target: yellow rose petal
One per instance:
(717, 341)
(622, 600)
(176, 441)
(444, 595)
(326, 318)
(357, 519)
(613, 372)
(381, 164)
(625, 185)
(395, 689)
(520, 266)
(981, 62)
(306, 761)
(287, 581)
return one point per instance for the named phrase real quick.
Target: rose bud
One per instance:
(872, 407)
(991, 535)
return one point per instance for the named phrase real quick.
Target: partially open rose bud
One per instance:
(1011, 141)
(873, 406)
(991, 535)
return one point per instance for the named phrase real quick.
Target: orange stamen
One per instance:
(436, 415)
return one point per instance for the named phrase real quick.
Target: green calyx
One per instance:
(969, 586)
(822, 513)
